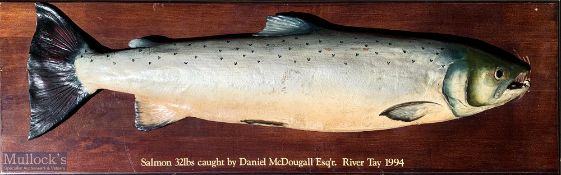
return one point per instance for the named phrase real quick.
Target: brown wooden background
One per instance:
(520, 136)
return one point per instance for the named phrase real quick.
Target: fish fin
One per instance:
(150, 114)
(281, 25)
(149, 41)
(264, 123)
(55, 92)
(140, 43)
(410, 111)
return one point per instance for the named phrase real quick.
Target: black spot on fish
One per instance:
(436, 53)
(376, 53)
(283, 40)
(235, 63)
(319, 51)
(289, 48)
(227, 41)
(442, 66)
(237, 48)
(174, 53)
(139, 50)
(149, 62)
(295, 37)
(431, 60)
(404, 51)
(423, 48)
(85, 51)
(159, 57)
(294, 61)
(185, 62)
(250, 44)
(319, 41)
(412, 61)
(267, 44)
(175, 44)
(91, 60)
(345, 63)
(114, 63)
(356, 54)
(388, 63)
(258, 61)
(366, 45)
(196, 56)
(81, 56)
(221, 58)
(340, 41)
(307, 44)
(189, 44)
(332, 55)
(377, 41)
(243, 55)
(219, 50)
(280, 56)
(355, 38)
(204, 46)
(442, 48)
(107, 55)
(132, 60)
(390, 44)
(309, 59)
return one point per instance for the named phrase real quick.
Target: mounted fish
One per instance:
(299, 72)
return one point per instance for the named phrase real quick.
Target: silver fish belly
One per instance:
(294, 73)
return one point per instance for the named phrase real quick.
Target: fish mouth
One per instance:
(518, 85)
(521, 81)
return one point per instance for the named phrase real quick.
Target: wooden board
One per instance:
(520, 136)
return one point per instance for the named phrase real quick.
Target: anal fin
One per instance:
(152, 114)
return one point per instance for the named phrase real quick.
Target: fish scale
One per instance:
(299, 72)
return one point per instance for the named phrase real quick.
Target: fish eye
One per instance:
(499, 73)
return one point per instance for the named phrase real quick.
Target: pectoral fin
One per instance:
(152, 114)
(410, 111)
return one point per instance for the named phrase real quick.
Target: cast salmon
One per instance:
(299, 72)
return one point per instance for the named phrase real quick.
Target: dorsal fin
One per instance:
(281, 25)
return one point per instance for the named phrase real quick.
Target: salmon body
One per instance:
(325, 81)
(295, 74)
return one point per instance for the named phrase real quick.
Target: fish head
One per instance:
(494, 80)
(484, 80)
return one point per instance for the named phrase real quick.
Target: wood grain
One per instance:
(520, 136)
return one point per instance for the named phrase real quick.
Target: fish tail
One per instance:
(55, 92)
